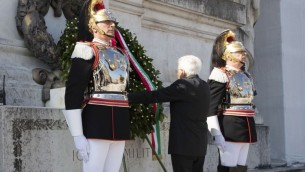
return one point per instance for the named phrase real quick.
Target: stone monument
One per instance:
(34, 137)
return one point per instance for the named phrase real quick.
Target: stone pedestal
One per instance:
(259, 153)
(35, 139)
(38, 139)
(57, 98)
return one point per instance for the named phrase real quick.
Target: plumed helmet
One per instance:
(221, 41)
(98, 13)
(235, 46)
(224, 45)
(92, 12)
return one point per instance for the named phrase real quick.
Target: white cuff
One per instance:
(74, 121)
(213, 125)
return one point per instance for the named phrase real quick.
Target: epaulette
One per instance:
(219, 75)
(82, 50)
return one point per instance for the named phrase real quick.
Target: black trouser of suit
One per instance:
(238, 168)
(184, 163)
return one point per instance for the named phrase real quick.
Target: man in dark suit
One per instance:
(189, 98)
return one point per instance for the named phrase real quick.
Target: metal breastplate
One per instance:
(240, 91)
(111, 73)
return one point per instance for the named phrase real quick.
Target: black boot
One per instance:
(221, 168)
(238, 168)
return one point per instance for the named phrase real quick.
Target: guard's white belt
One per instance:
(109, 96)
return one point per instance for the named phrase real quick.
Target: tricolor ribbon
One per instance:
(155, 136)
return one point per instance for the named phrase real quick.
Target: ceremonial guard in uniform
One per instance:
(96, 102)
(232, 93)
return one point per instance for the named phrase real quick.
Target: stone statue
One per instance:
(31, 26)
(49, 80)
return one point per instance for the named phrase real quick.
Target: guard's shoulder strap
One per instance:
(219, 75)
(86, 51)
(248, 75)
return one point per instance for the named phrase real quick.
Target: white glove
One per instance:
(220, 142)
(82, 146)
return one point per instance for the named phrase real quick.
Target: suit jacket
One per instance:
(189, 105)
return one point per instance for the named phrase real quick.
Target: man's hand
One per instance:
(82, 146)
(219, 141)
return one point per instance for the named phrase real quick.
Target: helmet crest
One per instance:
(225, 44)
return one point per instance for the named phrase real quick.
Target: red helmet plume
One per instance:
(99, 6)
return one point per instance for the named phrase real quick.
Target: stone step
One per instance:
(280, 169)
(282, 166)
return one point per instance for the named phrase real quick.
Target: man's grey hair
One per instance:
(190, 64)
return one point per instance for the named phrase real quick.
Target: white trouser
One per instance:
(235, 154)
(104, 156)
